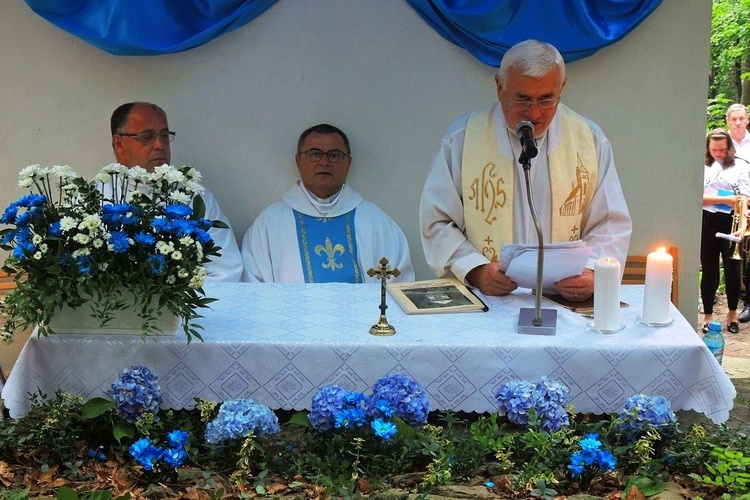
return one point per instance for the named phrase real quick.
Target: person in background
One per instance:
(141, 137)
(722, 171)
(737, 120)
(322, 230)
(474, 199)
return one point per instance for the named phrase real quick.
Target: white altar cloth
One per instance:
(278, 344)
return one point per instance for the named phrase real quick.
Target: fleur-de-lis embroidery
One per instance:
(330, 251)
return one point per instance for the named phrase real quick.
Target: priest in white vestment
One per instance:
(322, 230)
(141, 137)
(474, 199)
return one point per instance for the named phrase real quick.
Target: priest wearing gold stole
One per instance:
(322, 230)
(475, 199)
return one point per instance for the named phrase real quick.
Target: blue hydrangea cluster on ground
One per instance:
(591, 455)
(394, 395)
(642, 412)
(239, 418)
(152, 456)
(136, 392)
(546, 400)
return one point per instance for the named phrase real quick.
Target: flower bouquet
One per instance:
(86, 244)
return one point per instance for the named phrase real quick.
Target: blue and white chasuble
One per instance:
(328, 248)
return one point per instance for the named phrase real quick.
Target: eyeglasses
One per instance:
(546, 103)
(147, 138)
(334, 155)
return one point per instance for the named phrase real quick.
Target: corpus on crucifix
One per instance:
(383, 272)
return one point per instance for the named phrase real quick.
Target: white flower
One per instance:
(139, 174)
(103, 178)
(26, 182)
(97, 243)
(199, 277)
(183, 273)
(92, 223)
(82, 238)
(177, 255)
(64, 172)
(67, 223)
(32, 171)
(194, 188)
(193, 174)
(115, 168)
(169, 174)
(37, 255)
(171, 280)
(164, 248)
(43, 248)
(36, 239)
(81, 252)
(180, 197)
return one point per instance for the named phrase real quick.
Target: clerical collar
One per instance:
(323, 206)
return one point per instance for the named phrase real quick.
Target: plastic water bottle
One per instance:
(715, 340)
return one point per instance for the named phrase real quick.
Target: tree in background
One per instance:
(729, 74)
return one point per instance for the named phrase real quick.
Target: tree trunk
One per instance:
(745, 96)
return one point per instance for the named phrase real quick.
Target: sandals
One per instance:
(733, 327)
(705, 328)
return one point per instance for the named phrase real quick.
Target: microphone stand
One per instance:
(536, 321)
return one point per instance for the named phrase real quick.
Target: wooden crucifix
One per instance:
(384, 272)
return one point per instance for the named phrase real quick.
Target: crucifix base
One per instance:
(382, 328)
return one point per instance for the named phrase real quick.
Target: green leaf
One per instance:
(199, 206)
(301, 419)
(95, 407)
(645, 485)
(65, 493)
(121, 430)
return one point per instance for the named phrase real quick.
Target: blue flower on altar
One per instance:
(404, 397)
(642, 412)
(383, 429)
(543, 403)
(84, 264)
(591, 455)
(143, 238)
(119, 241)
(54, 229)
(238, 418)
(135, 392)
(177, 211)
(158, 263)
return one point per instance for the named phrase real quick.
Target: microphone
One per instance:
(525, 132)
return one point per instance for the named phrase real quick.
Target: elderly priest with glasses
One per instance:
(322, 230)
(141, 137)
(474, 199)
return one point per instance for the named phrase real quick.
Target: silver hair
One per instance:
(735, 107)
(532, 58)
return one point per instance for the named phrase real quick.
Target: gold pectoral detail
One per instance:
(330, 250)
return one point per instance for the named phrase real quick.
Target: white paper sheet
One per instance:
(561, 260)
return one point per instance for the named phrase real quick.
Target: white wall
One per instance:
(376, 70)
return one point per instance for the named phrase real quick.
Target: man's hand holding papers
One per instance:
(561, 260)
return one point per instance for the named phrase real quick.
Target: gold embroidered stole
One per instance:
(488, 179)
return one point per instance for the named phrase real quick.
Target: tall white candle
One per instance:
(607, 294)
(656, 297)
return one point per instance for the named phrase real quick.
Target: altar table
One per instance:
(278, 344)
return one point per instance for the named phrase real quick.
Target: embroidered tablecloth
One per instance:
(279, 343)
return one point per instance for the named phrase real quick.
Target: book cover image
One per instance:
(435, 296)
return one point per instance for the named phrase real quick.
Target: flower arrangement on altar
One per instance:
(82, 244)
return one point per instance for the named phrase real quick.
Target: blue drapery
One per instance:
(485, 28)
(148, 27)
(488, 28)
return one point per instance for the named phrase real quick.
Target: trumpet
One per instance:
(739, 223)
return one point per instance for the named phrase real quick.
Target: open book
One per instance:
(446, 295)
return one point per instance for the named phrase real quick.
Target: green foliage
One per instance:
(14, 495)
(728, 469)
(542, 491)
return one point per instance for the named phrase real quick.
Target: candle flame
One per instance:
(662, 250)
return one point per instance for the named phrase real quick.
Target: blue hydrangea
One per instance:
(402, 395)
(642, 412)
(238, 418)
(326, 403)
(591, 455)
(546, 399)
(135, 392)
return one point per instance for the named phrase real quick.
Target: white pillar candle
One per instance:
(656, 297)
(607, 294)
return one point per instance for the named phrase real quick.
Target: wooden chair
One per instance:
(635, 271)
